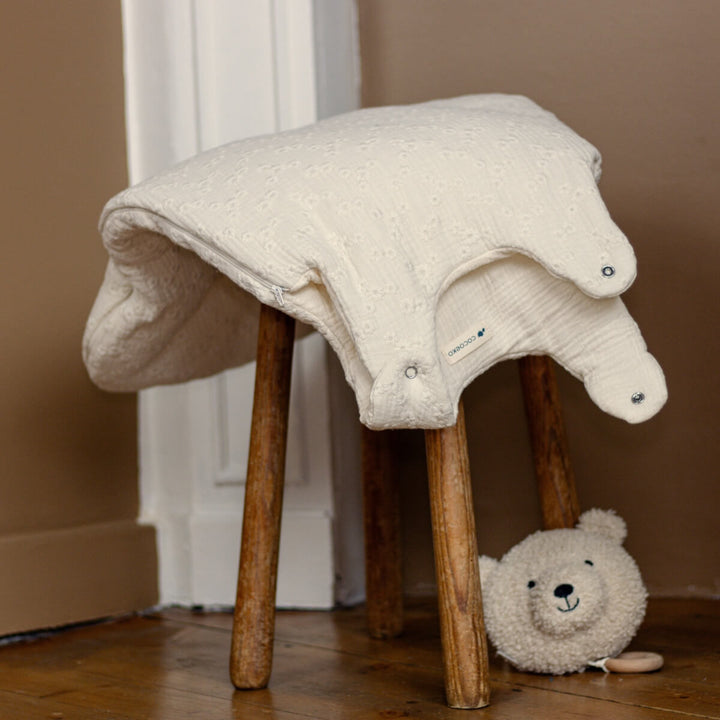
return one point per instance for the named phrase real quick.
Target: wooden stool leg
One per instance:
(383, 558)
(462, 626)
(556, 482)
(254, 620)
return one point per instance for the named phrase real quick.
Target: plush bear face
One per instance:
(562, 598)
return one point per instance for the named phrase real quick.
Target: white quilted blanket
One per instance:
(425, 242)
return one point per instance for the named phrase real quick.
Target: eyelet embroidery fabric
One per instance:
(390, 230)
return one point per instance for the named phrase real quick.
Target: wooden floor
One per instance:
(172, 665)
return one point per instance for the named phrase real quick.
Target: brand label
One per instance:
(464, 344)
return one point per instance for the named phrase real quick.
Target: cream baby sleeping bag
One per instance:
(425, 242)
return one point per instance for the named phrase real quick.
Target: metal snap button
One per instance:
(411, 372)
(638, 397)
(608, 271)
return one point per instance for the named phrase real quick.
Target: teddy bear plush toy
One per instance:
(563, 600)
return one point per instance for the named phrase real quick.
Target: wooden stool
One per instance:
(465, 658)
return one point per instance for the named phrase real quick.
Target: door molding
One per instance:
(200, 73)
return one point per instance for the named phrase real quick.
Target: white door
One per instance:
(200, 73)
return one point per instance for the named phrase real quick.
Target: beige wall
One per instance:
(639, 80)
(69, 546)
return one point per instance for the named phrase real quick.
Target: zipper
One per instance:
(279, 293)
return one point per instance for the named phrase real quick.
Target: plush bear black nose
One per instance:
(564, 590)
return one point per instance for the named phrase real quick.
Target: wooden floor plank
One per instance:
(160, 702)
(174, 665)
(43, 681)
(16, 706)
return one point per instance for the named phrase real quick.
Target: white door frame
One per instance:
(199, 73)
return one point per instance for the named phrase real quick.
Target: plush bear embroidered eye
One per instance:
(531, 584)
(589, 562)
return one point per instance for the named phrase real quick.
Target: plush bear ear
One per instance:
(487, 565)
(603, 522)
